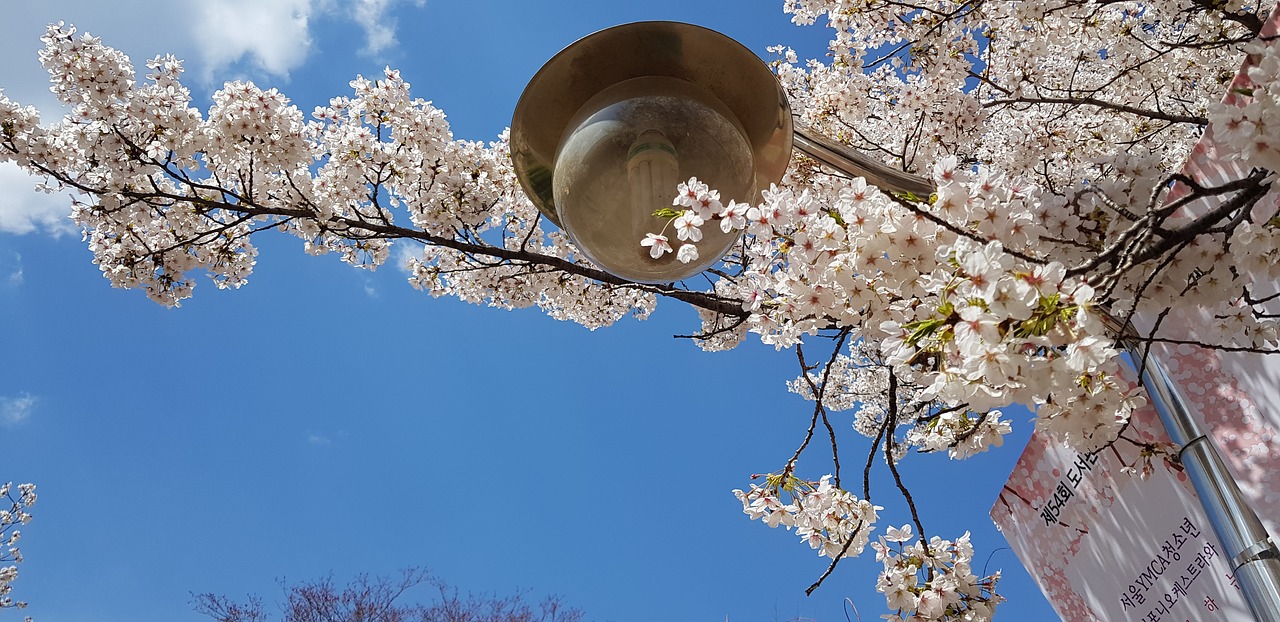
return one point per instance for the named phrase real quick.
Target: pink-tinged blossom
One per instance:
(1089, 352)
(930, 604)
(976, 331)
(687, 193)
(733, 216)
(984, 265)
(894, 534)
(707, 204)
(758, 221)
(687, 226)
(1045, 279)
(1013, 298)
(657, 244)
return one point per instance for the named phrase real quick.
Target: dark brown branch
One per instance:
(892, 462)
(813, 421)
(1200, 344)
(1251, 190)
(835, 560)
(820, 409)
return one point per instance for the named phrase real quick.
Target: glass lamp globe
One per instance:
(626, 151)
(609, 127)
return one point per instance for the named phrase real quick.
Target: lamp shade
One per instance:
(609, 126)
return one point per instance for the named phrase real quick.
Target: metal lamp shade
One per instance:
(609, 126)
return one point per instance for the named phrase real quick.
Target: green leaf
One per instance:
(915, 198)
(922, 329)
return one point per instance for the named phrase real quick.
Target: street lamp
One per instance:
(608, 127)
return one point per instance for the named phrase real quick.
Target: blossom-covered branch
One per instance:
(173, 192)
(17, 514)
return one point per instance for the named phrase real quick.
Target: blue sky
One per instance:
(324, 419)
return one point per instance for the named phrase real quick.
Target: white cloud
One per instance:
(273, 34)
(405, 253)
(318, 440)
(379, 26)
(379, 30)
(15, 410)
(269, 36)
(11, 271)
(24, 210)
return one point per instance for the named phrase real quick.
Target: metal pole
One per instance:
(1247, 546)
(1254, 558)
(858, 164)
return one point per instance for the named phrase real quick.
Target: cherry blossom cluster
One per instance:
(960, 432)
(859, 381)
(463, 191)
(827, 518)
(116, 140)
(933, 581)
(10, 519)
(992, 334)
(1250, 132)
(1097, 103)
(962, 74)
(974, 326)
(698, 205)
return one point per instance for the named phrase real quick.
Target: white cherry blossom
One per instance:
(657, 244)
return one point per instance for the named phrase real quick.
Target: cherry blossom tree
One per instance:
(375, 599)
(1053, 130)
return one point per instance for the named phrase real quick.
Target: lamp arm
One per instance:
(844, 159)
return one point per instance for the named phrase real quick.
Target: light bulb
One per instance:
(620, 160)
(652, 171)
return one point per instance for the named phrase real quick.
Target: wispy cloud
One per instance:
(405, 254)
(379, 29)
(11, 270)
(273, 37)
(369, 289)
(15, 410)
(23, 209)
(324, 439)
(378, 24)
(318, 440)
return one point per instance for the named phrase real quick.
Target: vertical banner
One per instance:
(1104, 543)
